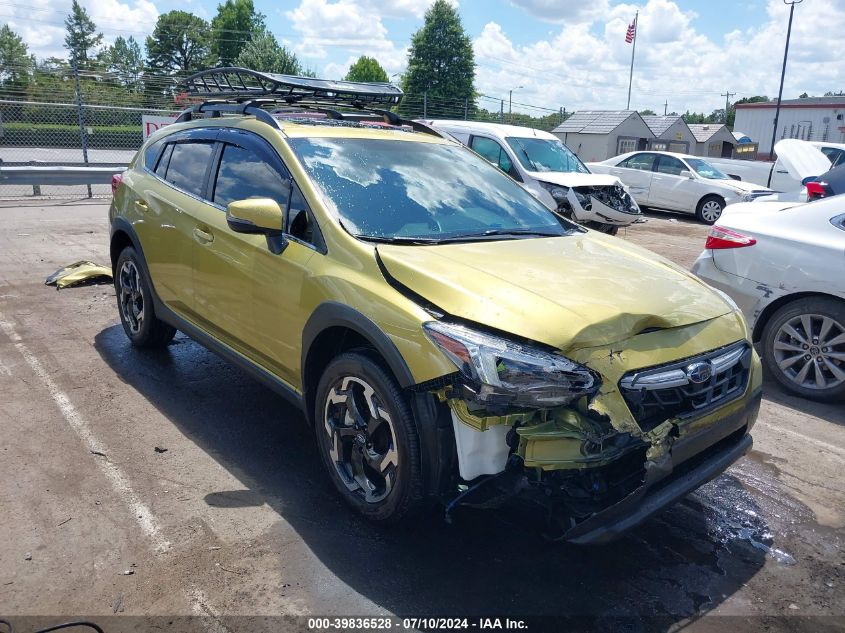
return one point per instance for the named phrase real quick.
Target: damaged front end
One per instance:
(599, 438)
(609, 204)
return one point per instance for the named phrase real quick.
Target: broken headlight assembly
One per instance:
(499, 372)
(561, 196)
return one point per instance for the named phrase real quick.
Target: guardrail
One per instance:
(38, 174)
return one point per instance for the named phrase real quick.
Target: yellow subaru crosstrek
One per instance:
(447, 336)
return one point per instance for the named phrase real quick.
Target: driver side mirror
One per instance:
(259, 215)
(686, 174)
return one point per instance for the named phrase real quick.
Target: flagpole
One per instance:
(633, 51)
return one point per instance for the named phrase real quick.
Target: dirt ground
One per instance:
(171, 484)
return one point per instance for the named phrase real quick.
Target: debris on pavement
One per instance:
(27, 556)
(159, 449)
(81, 272)
(65, 521)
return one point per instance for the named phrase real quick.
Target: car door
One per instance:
(670, 189)
(248, 294)
(169, 199)
(636, 173)
(492, 151)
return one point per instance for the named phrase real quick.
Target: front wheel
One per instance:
(601, 227)
(709, 209)
(367, 438)
(804, 348)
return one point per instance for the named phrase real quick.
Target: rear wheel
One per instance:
(135, 304)
(804, 348)
(367, 438)
(709, 209)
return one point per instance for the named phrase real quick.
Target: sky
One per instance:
(550, 53)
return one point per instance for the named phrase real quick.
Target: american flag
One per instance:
(632, 32)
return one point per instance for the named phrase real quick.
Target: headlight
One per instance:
(507, 373)
(747, 196)
(558, 192)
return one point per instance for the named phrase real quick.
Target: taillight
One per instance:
(720, 237)
(815, 190)
(116, 179)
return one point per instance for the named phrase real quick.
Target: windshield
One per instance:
(545, 154)
(706, 170)
(418, 192)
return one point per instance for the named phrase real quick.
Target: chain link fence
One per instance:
(99, 122)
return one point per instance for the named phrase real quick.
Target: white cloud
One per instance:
(563, 11)
(588, 67)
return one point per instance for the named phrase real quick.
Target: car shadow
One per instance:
(678, 565)
(830, 411)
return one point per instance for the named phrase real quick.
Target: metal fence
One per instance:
(37, 133)
(45, 134)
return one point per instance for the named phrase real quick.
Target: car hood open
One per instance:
(801, 159)
(569, 292)
(575, 179)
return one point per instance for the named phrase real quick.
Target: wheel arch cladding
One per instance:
(767, 312)
(334, 328)
(120, 239)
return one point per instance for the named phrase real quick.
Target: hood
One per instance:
(801, 159)
(570, 292)
(742, 185)
(574, 179)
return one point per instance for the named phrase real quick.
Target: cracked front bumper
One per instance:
(692, 461)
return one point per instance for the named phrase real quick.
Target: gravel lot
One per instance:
(170, 484)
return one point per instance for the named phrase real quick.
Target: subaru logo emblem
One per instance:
(698, 373)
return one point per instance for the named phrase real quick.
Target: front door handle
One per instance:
(141, 206)
(202, 236)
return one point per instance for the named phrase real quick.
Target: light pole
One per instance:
(791, 4)
(510, 101)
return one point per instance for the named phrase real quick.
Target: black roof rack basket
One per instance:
(238, 84)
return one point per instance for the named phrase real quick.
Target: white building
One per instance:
(595, 135)
(672, 134)
(810, 119)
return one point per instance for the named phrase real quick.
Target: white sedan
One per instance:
(783, 264)
(678, 182)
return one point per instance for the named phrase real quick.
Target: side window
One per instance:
(244, 174)
(151, 154)
(835, 156)
(671, 165)
(187, 165)
(490, 150)
(643, 162)
(301, 223)
(161, 168)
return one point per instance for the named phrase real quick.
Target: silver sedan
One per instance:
(784, 266)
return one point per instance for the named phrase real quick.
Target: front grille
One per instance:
(678, 389)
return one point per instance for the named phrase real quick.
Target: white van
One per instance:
(549, 170)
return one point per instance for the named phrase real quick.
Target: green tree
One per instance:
(440, 63)
(16, 63)
(265, 54)
(81, 36)
(648, 112)
(366, 69)
(180, 44)
(235, 25)
(126, 62)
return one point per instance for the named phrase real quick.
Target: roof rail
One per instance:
(242, 83)
(244, 91)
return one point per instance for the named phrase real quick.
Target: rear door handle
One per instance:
(202, 236)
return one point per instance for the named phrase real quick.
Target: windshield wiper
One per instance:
(502, 232)
(399, 239)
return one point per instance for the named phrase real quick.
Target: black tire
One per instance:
(601, 227)
(395, 491)
(785, 363)
(134, 300)
(704, 210)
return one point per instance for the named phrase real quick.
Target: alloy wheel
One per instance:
(361, 439)
(810, 350)
(131, 296)
(711, 210)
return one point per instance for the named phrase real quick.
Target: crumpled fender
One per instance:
(78, 273)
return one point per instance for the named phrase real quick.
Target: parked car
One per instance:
(678, 182)
(782, 174)
(446, 336)
(549, 170)
(783, 265)
(830, 183)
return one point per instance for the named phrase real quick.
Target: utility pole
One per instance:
(665, 107)
(791, 4)
(727, 95)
